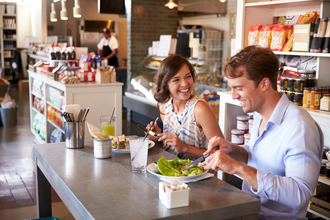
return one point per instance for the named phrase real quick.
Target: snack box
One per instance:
(85, 65)
(43, 72)
(48, 68)
(86, 76)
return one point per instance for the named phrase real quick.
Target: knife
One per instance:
(146, 130)
(199, 160)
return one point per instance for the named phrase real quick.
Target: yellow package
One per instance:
(279, 37)
(265, 36)
(253, 36)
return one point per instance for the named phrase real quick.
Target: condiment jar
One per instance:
(297, 99)
(246, 139)
(284, 82)
(237, 137)
(299, 84)
(243, 123)
(290, 84)
(312, 81)
(324, 91)
(307, 97)
(251, 120)
(315, 98)
(290, 95)
(250, 114)
(325, 103)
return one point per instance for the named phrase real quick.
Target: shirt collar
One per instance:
(280, 109)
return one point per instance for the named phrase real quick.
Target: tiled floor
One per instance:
(17, 175)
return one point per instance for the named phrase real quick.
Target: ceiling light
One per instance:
(222, 1)
(171, 4)
(64, 13)
(53, 17)
(76, 9)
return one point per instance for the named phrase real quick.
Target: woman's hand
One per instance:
(155, 129)
(172, 139)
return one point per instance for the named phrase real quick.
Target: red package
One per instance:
(265, 36)
(85, 65)
(43, 72)
(48, 68)
(87, 76)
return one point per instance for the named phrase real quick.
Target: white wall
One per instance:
(213, 21)
(38, 19)
(23, 24)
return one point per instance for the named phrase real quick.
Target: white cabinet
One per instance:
(100, 98)
(255, 12)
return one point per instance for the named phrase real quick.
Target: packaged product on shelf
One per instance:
(319, 35)
(86, 76)
(56, 136)
(265, 36)
(279, 37)
(326, 44)
(253, 37)
(213, 99)
(289, 29)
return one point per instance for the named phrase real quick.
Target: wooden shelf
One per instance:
(12, 29)
(52, 123)
(9, 48)
(324, 179)
(302, 54)
(285, 3)
(8, 39)
(318, 214)
(9, 15)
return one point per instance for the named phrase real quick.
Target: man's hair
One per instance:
(258, 62)
(106, 30)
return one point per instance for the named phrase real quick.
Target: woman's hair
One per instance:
(259, 63)
(169, 67)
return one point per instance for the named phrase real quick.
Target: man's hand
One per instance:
(102, 58)
(219, 160)
(172, 139)
(218, 142)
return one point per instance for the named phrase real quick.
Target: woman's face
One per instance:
(181, 85)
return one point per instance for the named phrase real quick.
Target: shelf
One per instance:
(285, 3)
(37, 137)
(51, 104)
(34, 109)
(7, 67)
(316, 213)
(7, 39)
(47, 59)
(9, 48)
(324, 179)
(12, 29)
(9, 15)
(9, 57)
(36, 95)
(52, 123)
(302, 54)
(151, 67)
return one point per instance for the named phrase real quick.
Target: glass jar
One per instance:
(237, 137)
(299, 84)
(325, 103)
(243, 123)
(312, 81)
(251, 120)
(307, 97)
(290, 95)
(324, 91)
(284, 82)
(290, 84)
(315, 97)
(246, 139)
(297, 99)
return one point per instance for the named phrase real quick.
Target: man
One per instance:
(281, 164)
(109, 47)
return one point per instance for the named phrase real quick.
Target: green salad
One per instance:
(174, 168)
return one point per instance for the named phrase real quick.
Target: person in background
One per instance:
(281, 164)
(188, 121)
(108, 48)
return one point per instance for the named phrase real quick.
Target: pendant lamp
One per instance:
(53, 17)
(171, 4)
(64, 13)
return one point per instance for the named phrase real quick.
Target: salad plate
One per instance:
(154, 171)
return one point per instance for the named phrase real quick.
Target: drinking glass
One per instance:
(107, 126)
(139, 155)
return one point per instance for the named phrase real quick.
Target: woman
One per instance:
(189, 121)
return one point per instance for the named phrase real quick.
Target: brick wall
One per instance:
(146, 21)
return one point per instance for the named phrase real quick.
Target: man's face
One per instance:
(245, 91)
(106, 35)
